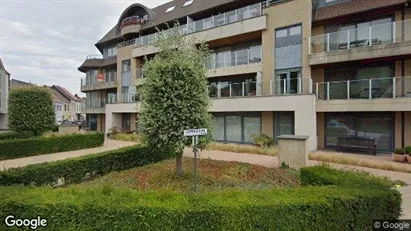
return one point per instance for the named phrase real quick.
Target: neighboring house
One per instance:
(74, 107)
(61, 106)
(14, 83)
(277, 67)
(4, 96)
(80, 105)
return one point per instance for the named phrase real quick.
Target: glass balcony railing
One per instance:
(129, 98)
(392, 87)
(290, 86)
(96, 103)
(235, 58)
(386, 33)
(222, 90)
(109, 78)
(140, 73)
(99, 56)
(203, 24)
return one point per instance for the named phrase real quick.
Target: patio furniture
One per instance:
(356, 143)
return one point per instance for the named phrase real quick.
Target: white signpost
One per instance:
(195, 133)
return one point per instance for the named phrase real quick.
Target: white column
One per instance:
(394, 31)
(328, 42)
(370, 35)
(229, 86)
(394, 88)
(285, 87)
(242, 88)
(370, 89)
(316, 90)
(348, 39)
(328, 90)
(218, 90)
(348, 89)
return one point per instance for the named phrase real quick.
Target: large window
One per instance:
(126, 122)
(288, 36)
(236, 127)
(126, 65)
(379, 126)
(284, 124)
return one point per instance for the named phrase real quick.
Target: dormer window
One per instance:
(187, 3)
(170, 9)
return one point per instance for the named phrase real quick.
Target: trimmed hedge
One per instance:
(78, 169)
(17, 148)
(337, 206)
(15, 135)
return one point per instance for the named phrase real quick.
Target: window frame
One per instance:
(288, 36)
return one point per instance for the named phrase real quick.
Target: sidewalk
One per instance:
(108, 145)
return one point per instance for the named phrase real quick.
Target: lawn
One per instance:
(212, 176)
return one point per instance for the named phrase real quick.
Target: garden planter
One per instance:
(399, 157)
(409, 159)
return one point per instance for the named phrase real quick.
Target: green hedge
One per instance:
(15, 135)
(76, 170)
(337, 206)
(17, 148)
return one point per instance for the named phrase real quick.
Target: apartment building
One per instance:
(321, 68)
(4, 96)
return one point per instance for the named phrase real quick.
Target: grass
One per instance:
(383, 165)
(242, 148)
(126, 137)
(212, 175)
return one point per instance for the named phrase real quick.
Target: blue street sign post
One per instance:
(195, 133)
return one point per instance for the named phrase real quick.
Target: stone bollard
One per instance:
(293, 151)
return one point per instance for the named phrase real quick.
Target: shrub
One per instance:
(262, 140)
(408, 150)
(16, 135)
(333, 207)
(399, 151)
(126, 137)
(79, 169)
(31, 109)
(17, 148)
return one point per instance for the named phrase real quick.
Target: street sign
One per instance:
(195, 132)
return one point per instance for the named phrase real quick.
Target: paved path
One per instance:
(271, 162)
(108, 145)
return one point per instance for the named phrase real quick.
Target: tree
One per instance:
(31, 110)
(175, 94)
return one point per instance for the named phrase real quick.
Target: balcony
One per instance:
(375, 41)
(382, 94)
(241, 21)
(132, 24)
(235, 62)
(93, 83)
(95, 106)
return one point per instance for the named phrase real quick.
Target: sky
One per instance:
(45, 41)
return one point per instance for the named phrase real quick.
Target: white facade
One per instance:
(4, 98)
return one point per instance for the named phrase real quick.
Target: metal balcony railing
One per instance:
(392, 87)
(240, 14)
(96, 103)
(386, 33)
(99, 56)
(109, 78)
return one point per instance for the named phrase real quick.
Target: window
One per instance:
(126, 65)
(170, 9)
(236, 127)
(288, 36)
(188, 2)
(288, 81)
(252, 126)
(284, 123)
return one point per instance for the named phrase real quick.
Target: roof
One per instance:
(179, 12)
(64, 92)
(18, 83)
(353, 7)
(57, 96)
(3, 68)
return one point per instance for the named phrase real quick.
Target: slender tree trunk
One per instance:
(179, 164)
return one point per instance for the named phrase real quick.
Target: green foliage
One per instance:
(17, 148)
(175, 94)
(332, 207)
(408, 150)
(262, 140)
(31, 109)
(399, 151)
(15, 135)
(76, 170)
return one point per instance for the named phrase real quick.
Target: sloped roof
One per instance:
(3, 68)
(64, 92)
(353, 7)
(57, 96)
(17, 83)
(179, 11)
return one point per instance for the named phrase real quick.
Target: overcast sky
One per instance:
(44, 42)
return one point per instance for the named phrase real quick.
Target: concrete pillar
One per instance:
(398, 129)
(407, 128)
(293, 151)
(267, 123)
(306, 125)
